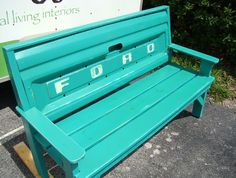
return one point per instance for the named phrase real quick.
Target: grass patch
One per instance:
(224, 84)
(3, 67)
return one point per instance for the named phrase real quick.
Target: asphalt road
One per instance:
(186, 147)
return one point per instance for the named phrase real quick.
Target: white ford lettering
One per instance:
(61, 84)
(126, 57)
(150, 48)
(96, 71)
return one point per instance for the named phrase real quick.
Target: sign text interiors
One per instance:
(12, 17)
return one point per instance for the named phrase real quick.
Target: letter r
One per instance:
(126, 57)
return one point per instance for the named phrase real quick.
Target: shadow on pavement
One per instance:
(7, 96)
(9, 147)
(51, 165)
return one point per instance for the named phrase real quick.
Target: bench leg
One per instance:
(198, 105)
(37, 151)
(69, 169)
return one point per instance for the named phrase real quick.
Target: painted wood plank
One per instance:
(100, 88)
(112, 149)
(87, 39)
(128, 112)
(54, 135)
(87, 116)
(194, 53)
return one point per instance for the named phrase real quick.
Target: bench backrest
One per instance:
(62, 72)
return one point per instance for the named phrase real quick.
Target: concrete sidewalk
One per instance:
(186, 147)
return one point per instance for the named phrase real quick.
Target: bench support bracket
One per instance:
(198, 105)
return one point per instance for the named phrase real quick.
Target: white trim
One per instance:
(11, 132)
(141, 5)
(4, 79)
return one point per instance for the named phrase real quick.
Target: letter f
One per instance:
(60, 85)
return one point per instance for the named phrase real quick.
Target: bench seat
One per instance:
(114, 125)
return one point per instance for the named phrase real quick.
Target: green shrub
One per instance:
(223, 86)
(205, 25)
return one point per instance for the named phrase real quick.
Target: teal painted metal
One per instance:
(74, 93)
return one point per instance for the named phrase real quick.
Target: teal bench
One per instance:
(77, 96)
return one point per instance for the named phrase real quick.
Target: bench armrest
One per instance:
(65, 145)
(196, 54)
(207, 61)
